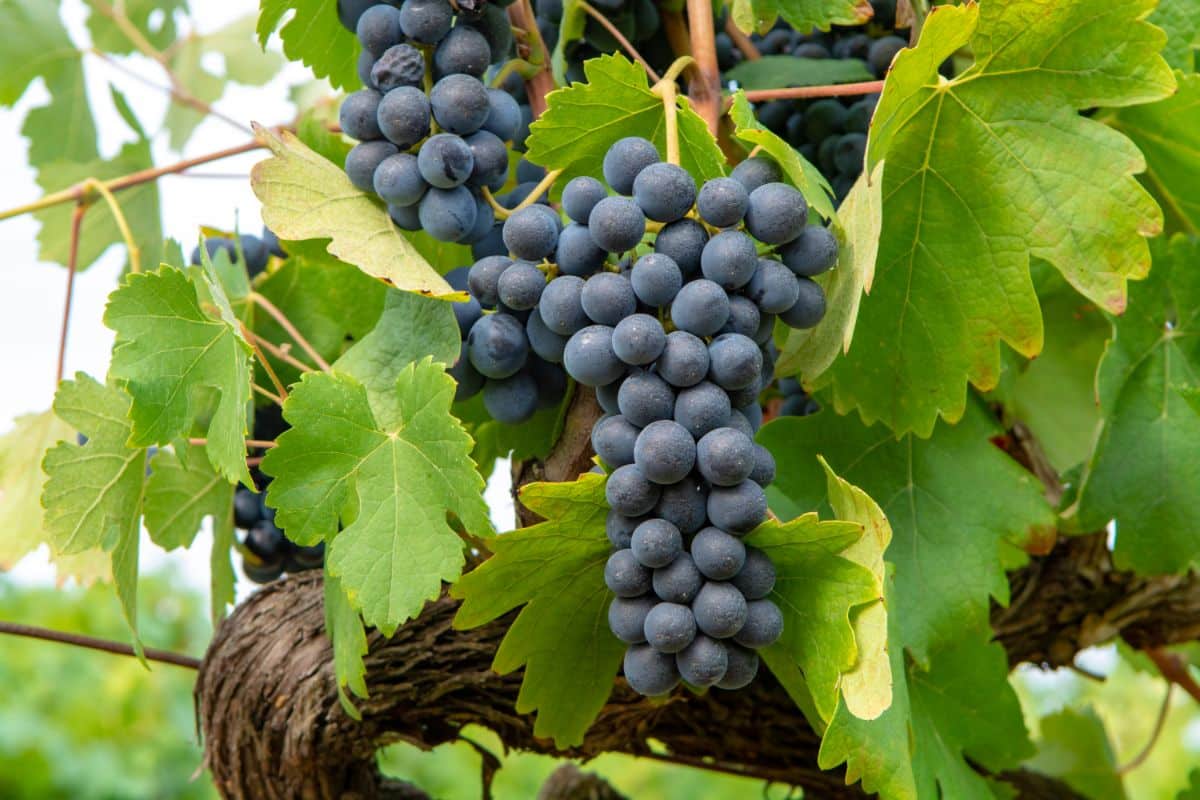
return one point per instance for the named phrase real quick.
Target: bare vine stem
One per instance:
(72, 268)
(285, 323)
(281, 352)
(704, 87)
(741, 41)
(266, 365)
(1175, 671)
(94, 643)
(114, 208)
(1159, 723)
(262, 444)
(541, 83)
(667, 90)
(606, 23)
(543, 186)
(808, 92)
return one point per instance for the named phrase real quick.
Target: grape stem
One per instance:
(1155, 733)
(606, 23)
(282, 353)
(542, 188)
(266, 365)
(807, 92)
(741, 40)
(276, 399)
(93, 643)
(667, 90)
(704, 88)
(114, 208)
(285, 323)
(502, 213)
(1174, 670)
(262, 444)
(72, 268)
(541, 83)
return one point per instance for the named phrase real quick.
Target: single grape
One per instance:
(725, 457)
(491, 158)
(718, 555)
(545, 343)
(359, 114)
(492, 244)
(617, 224)
(729, 259)
(511, 400)
(774, 287)
(445, 161)
(462, 50)
(577, 253)
(644, 398)
(684, 359)
(362, 161)
(650, 672)
(795, 131)
(561, 306)
(755, 172)
(303, 558)
(580, 196)
(744, 316)
(398, 180)
(813, 252)
(809, 308)
(722, 202)
(350, 11)
(702, 408)
(858, 116)
(763, 626)
(735, 361)
(824, 118)
(656, 279)
(882, 52)
(764, 466)
(756, 579)
(406, 217)
(521, 285)
(743, 666)
(497, 346)
(469, 381)
(856, 46)
(608, 298)
(504, 115)
(467, 313)
(665, 452)
(266, 541)
(624, 576)
(720, 609)
(589, 357)
(624, 160)
(683, 242)
(638, 339)
(627, 617)
(272, 242)
(669, 627)
(737, 509)
(426, 21)
(703, 662)
(400, 65)
(700, 308)
(774, 115)
(265, 573)
(679, 581)
(665, 192)
(492, 22)
(530, 234)
(378, 29)
(849, 153)
(404, 116)
(459, 103)
(629, 493)
(246, 508)
(448, 214)
(777, 213)
(738, 421)
(683, 505)
(613, 439)
(656, 543)
(620, 528)
(483, 279)
(606, 396)
(254, 252)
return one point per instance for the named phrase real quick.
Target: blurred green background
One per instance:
(91, 726)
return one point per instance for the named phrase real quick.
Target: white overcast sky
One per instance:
(32, 292)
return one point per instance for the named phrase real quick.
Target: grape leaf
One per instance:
(803, 15)
(1074, 746)
(983, 172)
(1168, 134)
(1145, 469)
(962, 706)
(531, 439)
(391, 480)
(555, 571)
(1192, 791)
(170, 351)
(93, 492)
(857, 228)
(776, 72)
(180, 493)
(21, 485)
(570, 29)
(816, 588)
(306, 197)
(1181, 20)
(109, 37)
(583, 120)
(345, 630)
(951, 541)
(314, 36)
(799, 171)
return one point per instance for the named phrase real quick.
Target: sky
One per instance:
(218, 195)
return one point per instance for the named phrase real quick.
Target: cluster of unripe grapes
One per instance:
(674, 333)
(431, 133)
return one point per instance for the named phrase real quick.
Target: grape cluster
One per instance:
(256, 250)
(675, 335)
(795, 401)
(431, 134)
(637, 20)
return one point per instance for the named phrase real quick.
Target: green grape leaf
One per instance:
(1145, 469)
(93, 492)
(816, 589)
(222, 580)
(811, 351)
(570, 29)
(332, 303)
(533, 438)
(410, 328)
(306, 197)
(1074, 747)
(961, 707)
(951, 542)
(172, 353)
(180, 493)
(985, 171)
(110, 37)
(1168, 134)
(583, 120)
(803, 175)
(777, 72)
(803, 15)
(555, 571)
(391, 480)
(1192, 791)
(21, 484)
(1181, 20)
(345, 630)
(314, 36)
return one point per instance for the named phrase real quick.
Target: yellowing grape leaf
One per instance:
(391, 481)
(306, 197)
(983, 172)
(21, 450)
(555, 571)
